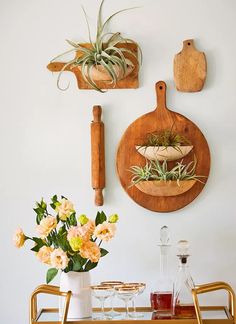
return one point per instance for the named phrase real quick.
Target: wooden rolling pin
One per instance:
(98, 155)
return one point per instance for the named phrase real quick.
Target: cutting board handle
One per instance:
(161, 95)
(188, 44)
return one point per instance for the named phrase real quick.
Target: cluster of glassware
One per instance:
(173, 299)
(127, 292)
(169, 299)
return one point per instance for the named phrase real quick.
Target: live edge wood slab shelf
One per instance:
(161, 119)
(129, 82)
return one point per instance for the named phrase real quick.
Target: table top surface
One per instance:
(48, 316)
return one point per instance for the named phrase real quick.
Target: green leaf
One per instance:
(90, 265)
(43, 204)
(63, 243)
(72, 220)
(103, 252)
(51, 274)
(100, 218)
(39, 243)
(62, 230)
(53, 205)
(69, 267)
(54, 199)
(82, 261)
(76, 263)
(39, 217)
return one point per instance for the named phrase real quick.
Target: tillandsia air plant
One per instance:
(154, 170)
(66, 242)
(106, 54)
(166, 138)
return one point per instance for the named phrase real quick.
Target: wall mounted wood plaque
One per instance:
(161, 119)
(190, 68)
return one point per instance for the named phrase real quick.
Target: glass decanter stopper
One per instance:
(183, 306)
(161, 298)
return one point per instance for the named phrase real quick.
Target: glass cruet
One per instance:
(161, 297)
(183, 306)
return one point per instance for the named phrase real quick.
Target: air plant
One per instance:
(106, 52)
(166, 138)
(154, 170)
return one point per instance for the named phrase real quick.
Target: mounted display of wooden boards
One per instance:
(190, 68)
(161, 119)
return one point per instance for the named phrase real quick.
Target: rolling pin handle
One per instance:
(97, 113)
(98, 197)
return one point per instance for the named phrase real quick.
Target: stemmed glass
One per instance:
(102, 292)
(126, 294)
(112, 284)
(140, 288)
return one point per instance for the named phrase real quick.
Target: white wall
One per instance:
(45, 137)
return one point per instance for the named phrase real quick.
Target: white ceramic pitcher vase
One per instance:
(81, 302)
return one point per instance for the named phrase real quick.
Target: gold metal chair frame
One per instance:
(51, 290)
(219, 285)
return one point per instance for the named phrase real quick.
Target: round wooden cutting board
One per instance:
(158, 120)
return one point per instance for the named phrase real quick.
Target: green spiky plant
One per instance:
(104, 51)
(164, 139)
(154, 170)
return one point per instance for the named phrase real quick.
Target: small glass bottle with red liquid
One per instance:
(161, 298)
(183, 306)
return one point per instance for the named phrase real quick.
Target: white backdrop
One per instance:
(45, 138)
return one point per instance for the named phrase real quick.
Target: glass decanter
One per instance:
(183, 306)
(161, 298)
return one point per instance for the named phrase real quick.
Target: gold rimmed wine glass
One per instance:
(126, 294)
(140, 287)
(112, 283)
(102, 292)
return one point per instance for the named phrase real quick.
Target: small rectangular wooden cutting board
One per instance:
(190, 68)
(130, 82)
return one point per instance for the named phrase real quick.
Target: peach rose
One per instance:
(46, 225)
(65, 209)
(59, 259)
(90, 250)
(44, 254)
(19, 238)
(73, 231)
(105, 231)
(86, 231)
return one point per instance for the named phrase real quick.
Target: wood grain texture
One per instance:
(130, 82)
(190, 68)
(162, 188)
(98, 155)
(158, 120)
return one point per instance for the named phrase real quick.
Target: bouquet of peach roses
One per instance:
(67, 242)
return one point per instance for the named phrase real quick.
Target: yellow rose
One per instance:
(19, 238)
(75, 243)
(83, 219)
(113, 218)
